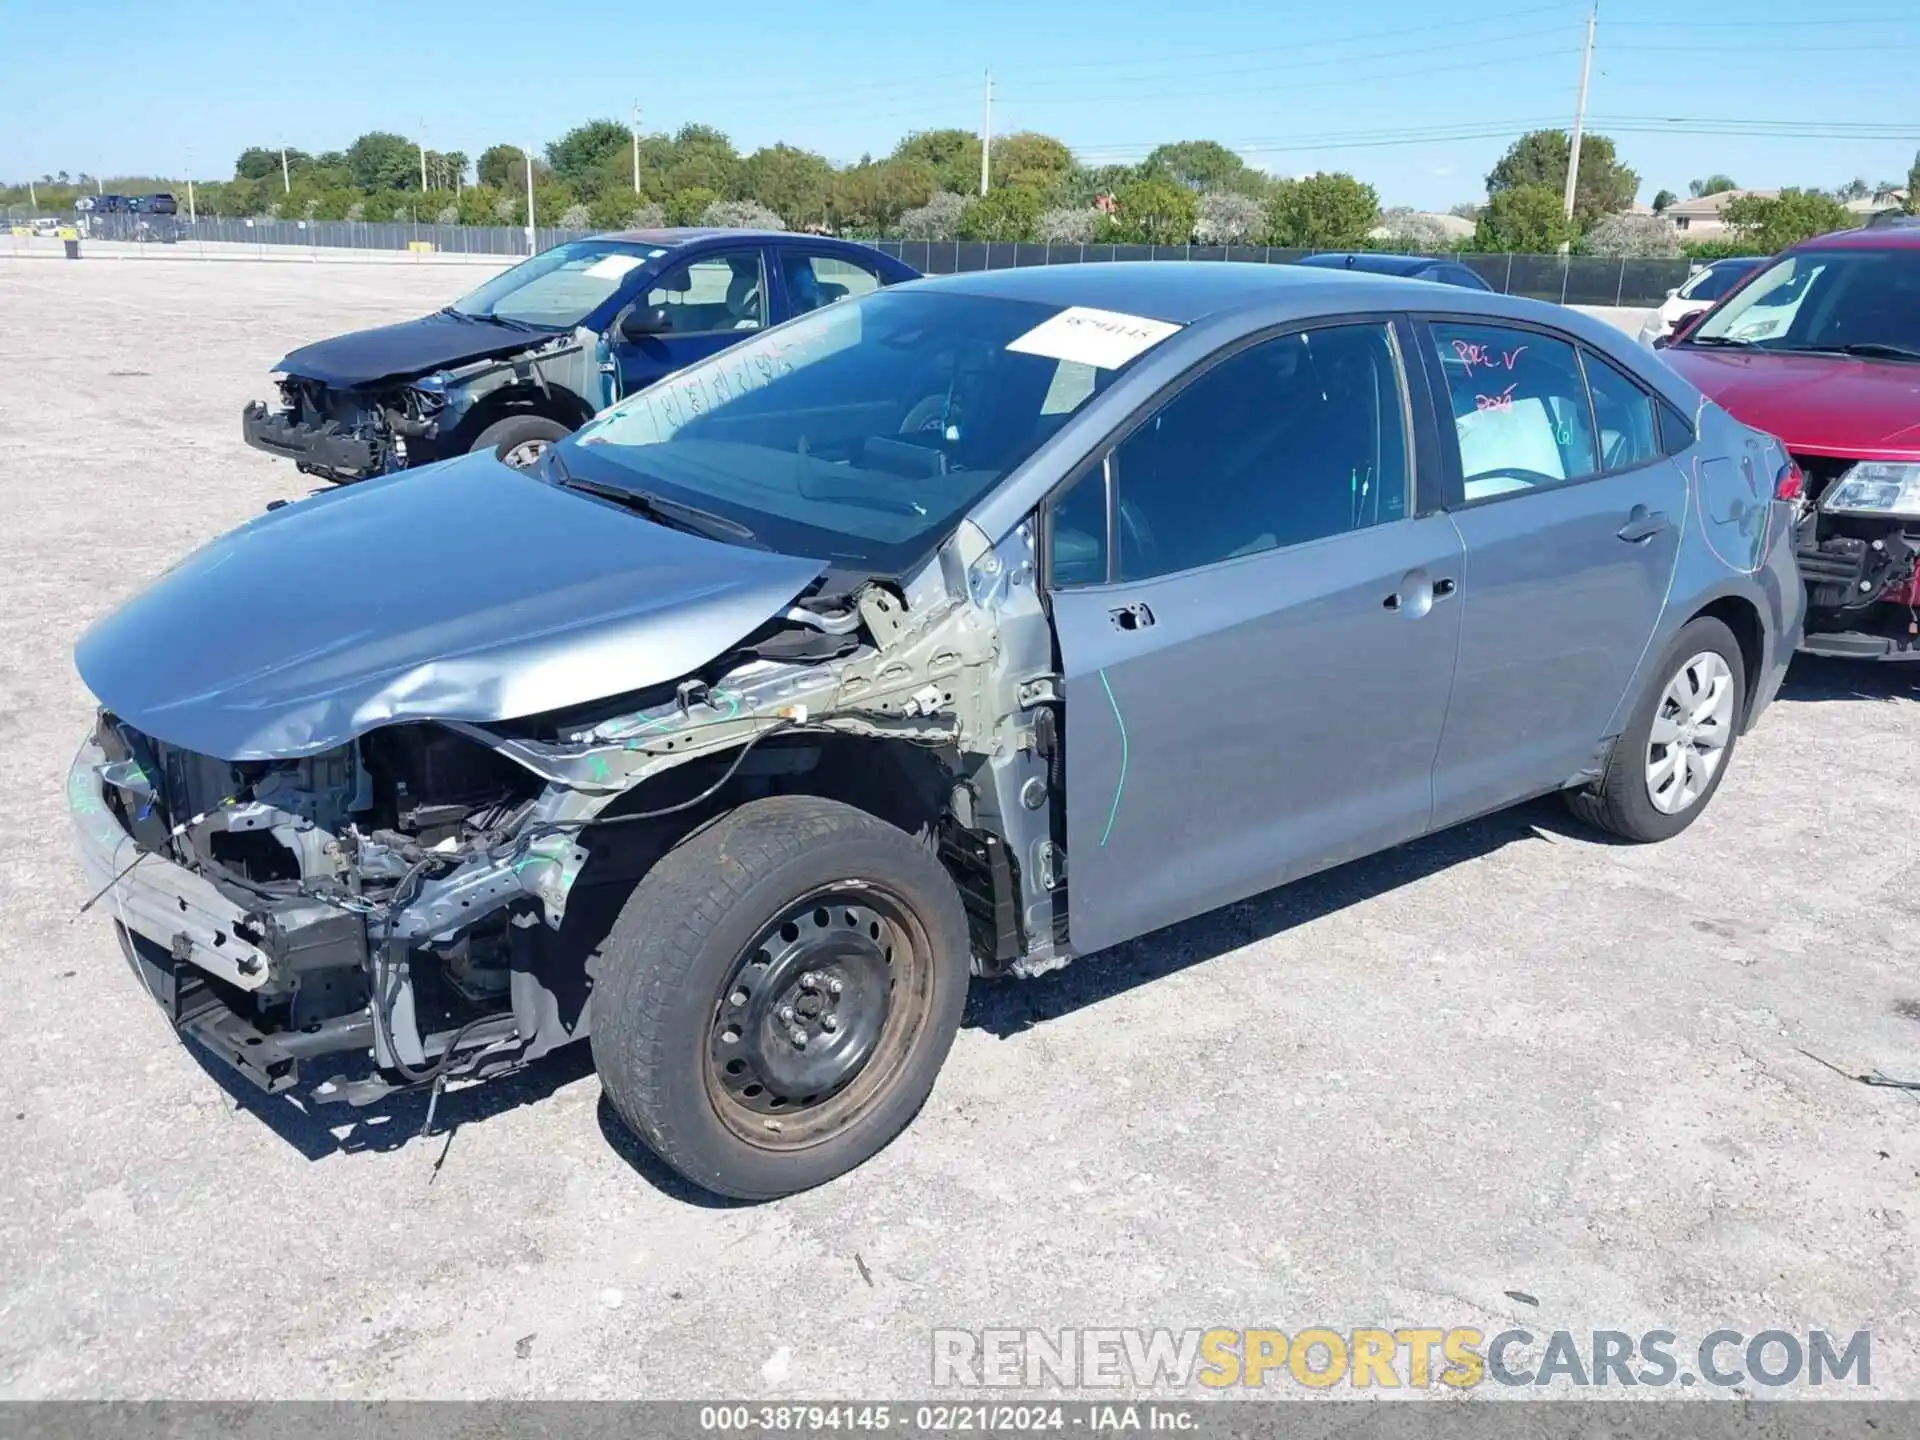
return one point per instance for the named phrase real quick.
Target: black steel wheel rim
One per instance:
(817, 1015)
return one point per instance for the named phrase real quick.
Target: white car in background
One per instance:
(1704, 286)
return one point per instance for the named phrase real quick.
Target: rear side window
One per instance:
(1676, 431)
(1291, 440)
(816, 280)
(1519, 405)
(1624, 414)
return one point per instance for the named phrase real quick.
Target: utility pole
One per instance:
(423, 155)
(191, 217)
(33, 196)
(1580, 111)
(286, 181)
(986, 133)
(636, 147)
(532, 242)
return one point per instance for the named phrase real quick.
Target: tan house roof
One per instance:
(1708, 207)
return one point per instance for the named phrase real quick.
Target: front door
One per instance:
(710, 302)
(1257, 634)
(1571, 516)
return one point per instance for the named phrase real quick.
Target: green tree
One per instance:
(501, 166)
(260, 162)
(1913, 186)
(1010, 213)
(1526, 219)
(1030, 161)
(1664, 199)
(1539, 159)
(1771, 224)
(952, 155)
(381, 160)
(1712, 185)
(867, 198)
(686, 207)
(577, 155)
(1204, 165)
(1152, 211)
(1322, 212)
(705, 159)
(793, 183)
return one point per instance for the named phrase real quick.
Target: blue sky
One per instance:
(1418, 105)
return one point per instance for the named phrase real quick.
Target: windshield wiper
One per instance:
(452, 313)
(658, 508)
(1877, 350)
(1714, 340)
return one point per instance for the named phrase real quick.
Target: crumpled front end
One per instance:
(1858, 547)
(346, 435)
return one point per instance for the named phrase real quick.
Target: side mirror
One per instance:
(1661, 342)
(644, 320)
(1674, 293)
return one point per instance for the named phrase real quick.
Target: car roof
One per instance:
(1873, 237)
(1375, 262)
(1183, 291)
(672, 235)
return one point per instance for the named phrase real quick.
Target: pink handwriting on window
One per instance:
(1502, 401)
(1486, 357)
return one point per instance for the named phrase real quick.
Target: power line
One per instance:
(1454, 25)
(1334, 81)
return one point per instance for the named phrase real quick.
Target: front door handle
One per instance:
(1643, 524)
(1131, 617)
(1417, 593)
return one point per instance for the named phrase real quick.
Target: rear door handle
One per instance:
(1416, 595)
(1131, 617)
(1643, 524)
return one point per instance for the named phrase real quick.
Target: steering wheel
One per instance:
(926, 415)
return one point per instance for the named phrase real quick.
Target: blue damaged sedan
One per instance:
(951, 632)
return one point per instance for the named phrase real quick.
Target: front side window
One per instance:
(1519, 407)
(1825, 302)
(557, 288)
(859, 433)
(1292, 440)
(816, 280)
(716, 292)
(1716, 280)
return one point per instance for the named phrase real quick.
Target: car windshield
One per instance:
(557, 288)
(1717, 279)
(858, 434)
(1824, 301)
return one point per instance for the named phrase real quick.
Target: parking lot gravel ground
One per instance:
(1512, 1075)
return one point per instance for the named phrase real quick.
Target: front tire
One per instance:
(778, 994)
(520, 440)
(1669, 760)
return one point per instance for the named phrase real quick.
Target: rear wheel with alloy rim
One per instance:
(1677, 744)
(778, 994)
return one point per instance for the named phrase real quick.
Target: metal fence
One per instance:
(1573, 280)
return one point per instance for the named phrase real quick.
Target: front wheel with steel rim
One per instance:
(778, 994)
(1675, 748)
(520, 440)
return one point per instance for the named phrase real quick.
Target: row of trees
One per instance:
(595, 176)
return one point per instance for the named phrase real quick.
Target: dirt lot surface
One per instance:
(1510, 1075)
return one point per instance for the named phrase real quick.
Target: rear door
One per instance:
(711, 300)
(1571, 516)
(1256, 628)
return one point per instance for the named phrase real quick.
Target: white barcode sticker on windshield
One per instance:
(612, 267)
(1105, 339)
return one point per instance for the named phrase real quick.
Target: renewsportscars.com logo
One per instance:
(1320, 1358)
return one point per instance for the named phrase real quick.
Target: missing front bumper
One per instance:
(324, 448)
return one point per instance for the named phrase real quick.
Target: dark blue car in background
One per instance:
(537, 351)
(1407, 267)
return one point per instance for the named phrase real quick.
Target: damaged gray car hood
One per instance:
(460, 591)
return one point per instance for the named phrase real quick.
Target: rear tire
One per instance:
(778, 994)
(1653, 789)
(520, 440)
